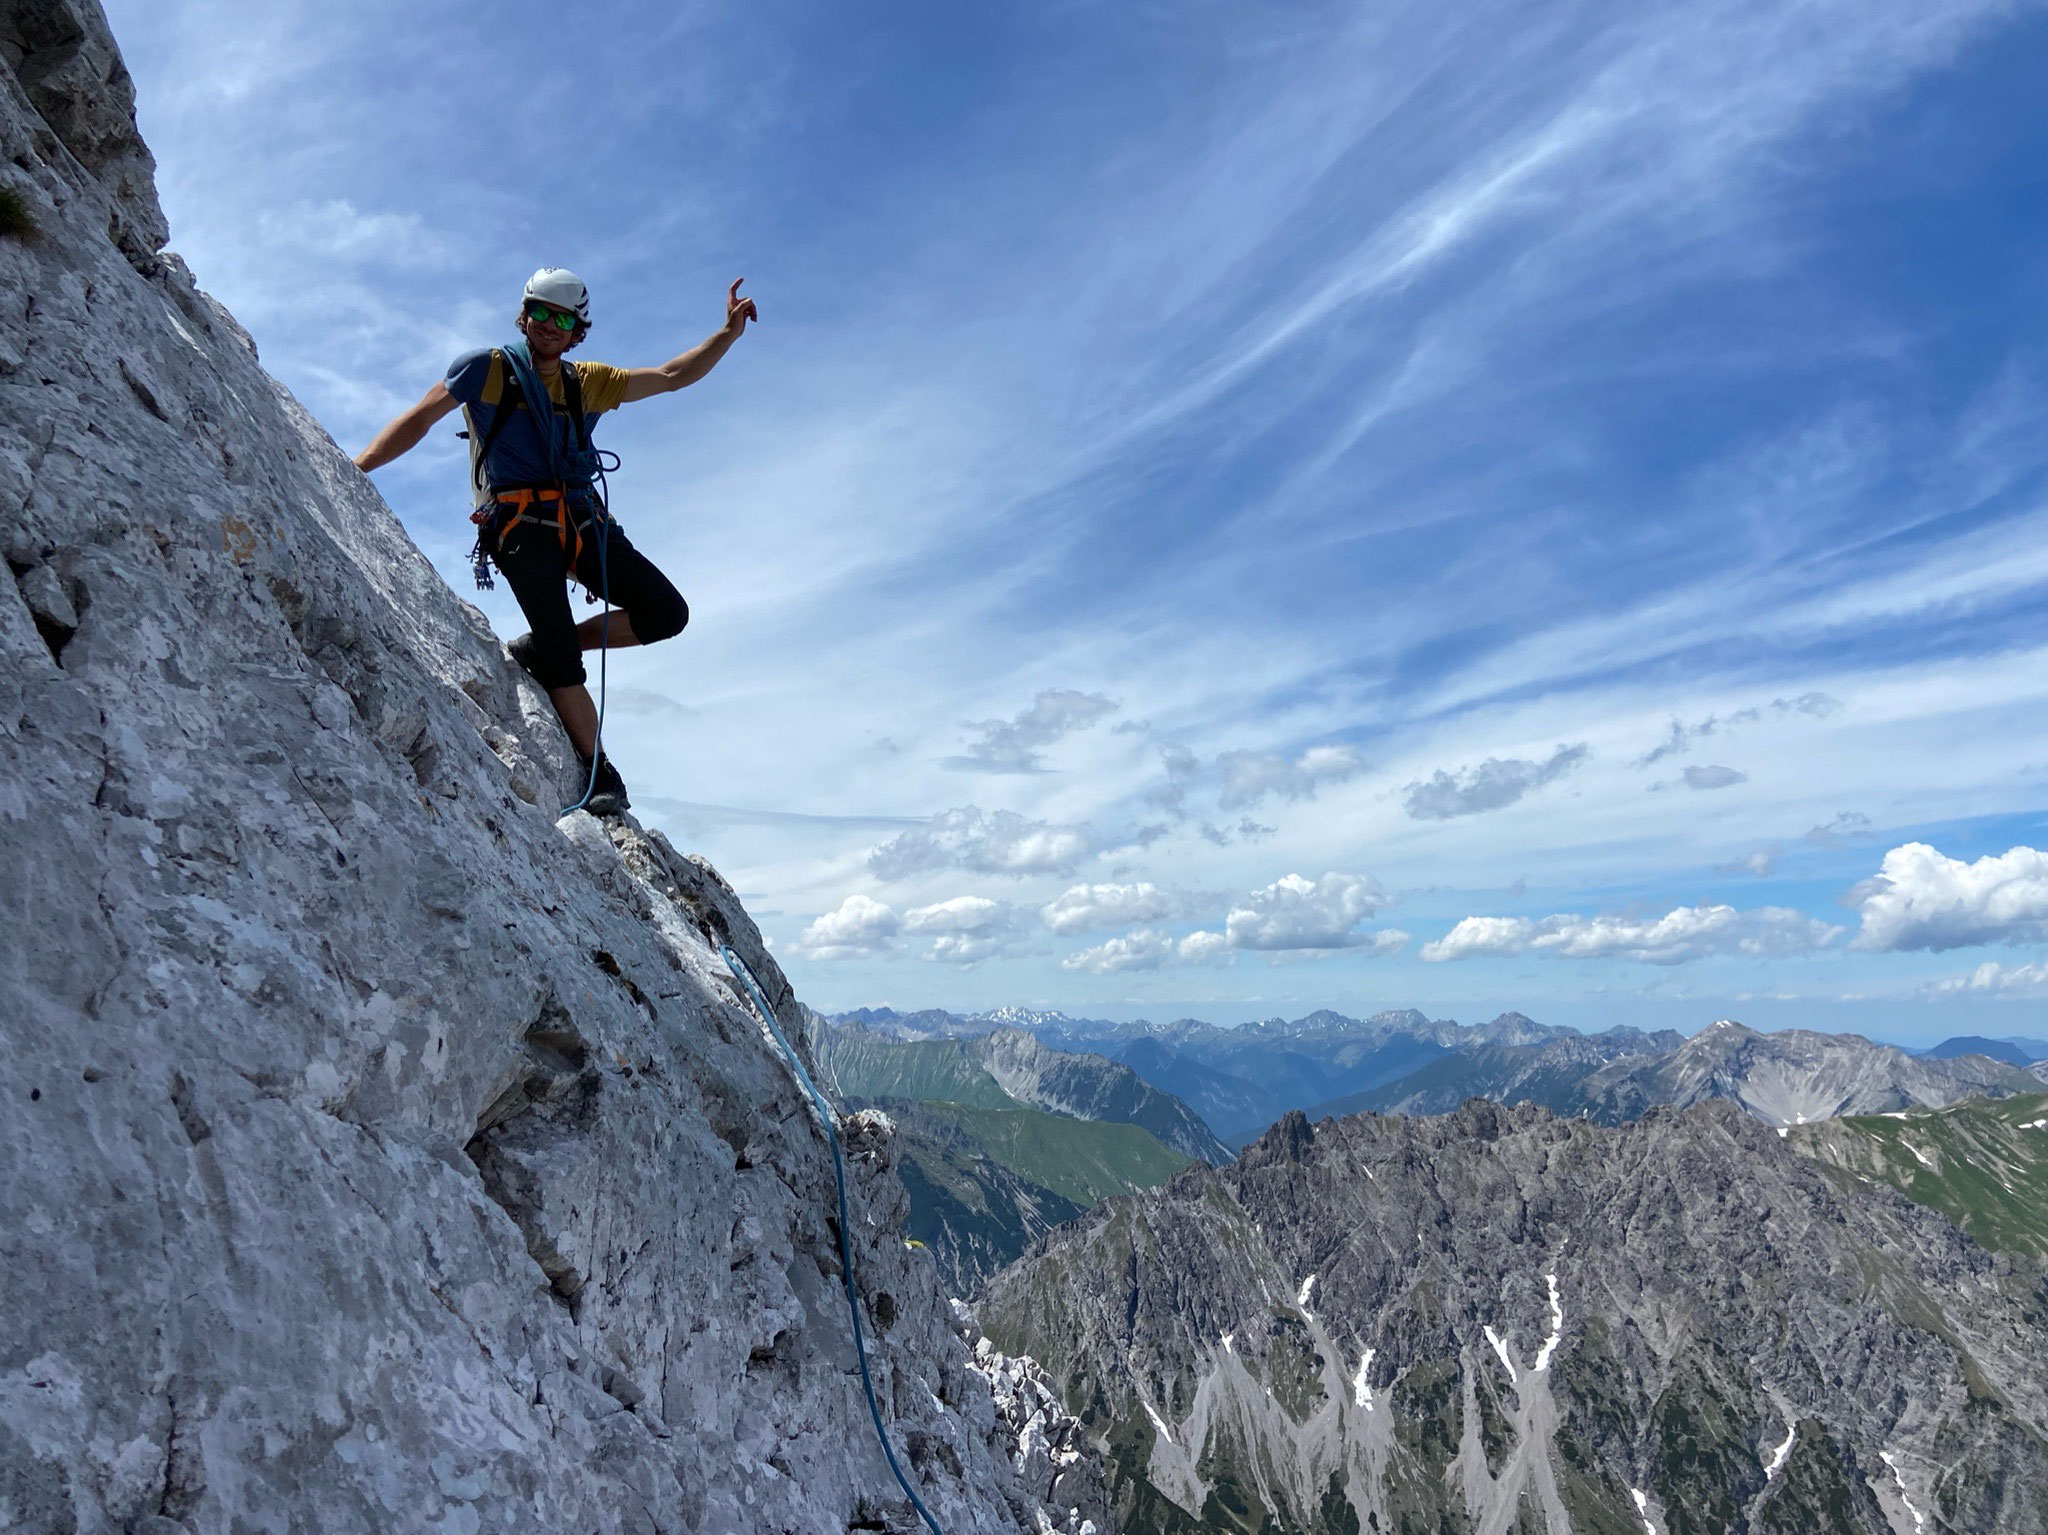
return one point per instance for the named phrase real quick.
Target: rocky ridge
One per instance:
(379, 1152)
(1499, 1320)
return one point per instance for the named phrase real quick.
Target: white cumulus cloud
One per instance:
(1994, 979)
(1199, 947)
(1141, 950)
(860, 925)
(1686, 933)
(1298, 913)
(1921, 899)
(983, 842)
(967, 929)
(1294, 914)
(1085, 908)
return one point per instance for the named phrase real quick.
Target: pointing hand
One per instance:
(738, 310)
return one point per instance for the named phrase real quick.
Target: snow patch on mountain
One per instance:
(1899, 1478)
(1782, 1453)
(1556, 1325)
(1500, 1347)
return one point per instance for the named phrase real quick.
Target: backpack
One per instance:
(524, 391)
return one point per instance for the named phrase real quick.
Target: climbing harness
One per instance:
(580, 486)
(745, 977)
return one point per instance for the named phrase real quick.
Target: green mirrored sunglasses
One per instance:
(542, 314)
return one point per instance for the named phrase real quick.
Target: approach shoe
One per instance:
(608, 794)
(522, 650)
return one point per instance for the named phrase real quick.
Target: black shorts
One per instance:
(536, 567)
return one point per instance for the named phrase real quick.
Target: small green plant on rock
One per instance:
(16, 221)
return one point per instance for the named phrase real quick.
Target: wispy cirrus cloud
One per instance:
(1847, 826)
(1242, 779)
(1018, 745)
(1250, 778)
(1494, 784)
(1682, 736)
(1712, 776)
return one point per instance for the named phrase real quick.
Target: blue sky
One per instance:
(1236, 509)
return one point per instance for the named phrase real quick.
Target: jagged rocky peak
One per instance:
(1501, 1320)
(379, 1153)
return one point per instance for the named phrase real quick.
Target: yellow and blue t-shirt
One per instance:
(484, 385)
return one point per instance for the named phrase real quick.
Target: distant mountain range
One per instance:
(1792, 1077)
(1240, 1080)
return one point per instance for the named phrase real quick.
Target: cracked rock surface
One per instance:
(376, 1153)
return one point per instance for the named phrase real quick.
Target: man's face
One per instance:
(545, 338)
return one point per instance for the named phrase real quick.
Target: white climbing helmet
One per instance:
(561, 287)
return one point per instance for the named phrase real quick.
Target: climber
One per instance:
(540, 514)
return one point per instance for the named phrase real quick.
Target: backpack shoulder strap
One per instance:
(510, 398)
(572, 397)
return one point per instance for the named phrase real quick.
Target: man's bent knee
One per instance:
(664, 622)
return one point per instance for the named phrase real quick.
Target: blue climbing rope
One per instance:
(745, 977)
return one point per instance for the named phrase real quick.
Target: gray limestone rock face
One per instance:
(377, 1153)
(63, 60)
(1499, 1320)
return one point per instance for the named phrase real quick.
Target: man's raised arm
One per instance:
(681, 372)
(405, 432)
